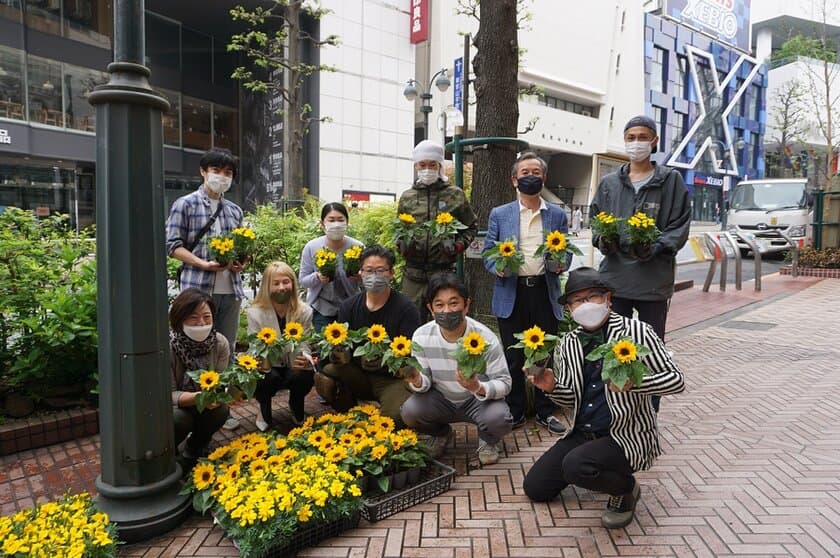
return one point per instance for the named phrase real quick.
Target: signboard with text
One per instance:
(419, 18)
(5, 137)
(458, 83)
(726, 21)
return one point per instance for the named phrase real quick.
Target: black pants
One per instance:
(298, 382)
(202, 425)
(532, 307)
(653, 312)
(598, 465)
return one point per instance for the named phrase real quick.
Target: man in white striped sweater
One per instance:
(613, 430)
(441, 393)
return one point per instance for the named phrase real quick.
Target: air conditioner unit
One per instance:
(586, 113)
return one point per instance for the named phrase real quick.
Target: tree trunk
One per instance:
(496, 67)
(293, 146)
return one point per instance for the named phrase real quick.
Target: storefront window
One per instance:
(197, 54)
(42, 189)
(10, 9)
(225, 130)
(78, 85)
(45, 91)
(163, 42)
(11, 83)
(44, 15)
(196, 118)
(172, 118)
(89, 21)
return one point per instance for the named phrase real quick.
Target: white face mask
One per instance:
(217, 183)
(638, 150)
(427, 176)
(335, 230)
(590, 314)
(197, 333)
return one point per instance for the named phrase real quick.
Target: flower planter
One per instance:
(309, 536)
(825, 273)
(434, 480)
(340, 355)
(371, 365)
(552, 266)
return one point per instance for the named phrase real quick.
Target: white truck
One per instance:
(765, 207)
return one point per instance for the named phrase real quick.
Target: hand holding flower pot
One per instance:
(326, 262)
(537, 346)
(605, 227)
(622, 362)
(642, 232)
(375, 342)
(555, 251)
(505, 257)
(470, 355)
(398, 357)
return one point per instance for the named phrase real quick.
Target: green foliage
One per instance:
(374, 224)
(622, 361)
(826, 258)
(809, 47)
(47, 302)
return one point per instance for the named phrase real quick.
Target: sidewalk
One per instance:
(750, 464)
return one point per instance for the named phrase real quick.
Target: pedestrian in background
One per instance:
(431, 195)
(577, 221)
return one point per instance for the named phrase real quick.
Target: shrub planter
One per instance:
(48, 429)
(826, 273)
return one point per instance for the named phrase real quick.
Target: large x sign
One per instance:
(710, 101)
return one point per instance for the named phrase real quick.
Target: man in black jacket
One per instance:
(643, 278)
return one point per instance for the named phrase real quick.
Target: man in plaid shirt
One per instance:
(188, 216)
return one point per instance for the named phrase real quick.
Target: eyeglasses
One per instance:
(375, 271)
(597, 298)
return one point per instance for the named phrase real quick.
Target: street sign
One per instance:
(458, 88)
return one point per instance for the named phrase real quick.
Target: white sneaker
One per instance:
(231, 424)
(261, 424)
(488, 454)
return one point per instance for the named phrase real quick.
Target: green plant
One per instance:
(622, 361)
(826, 258)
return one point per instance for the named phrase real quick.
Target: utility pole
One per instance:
(139, 479)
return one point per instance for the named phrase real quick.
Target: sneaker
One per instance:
(552, 424)
(261, 424)
(620, 509)
(520, 422)
(488, 454)
(231, 424)
(437, 444)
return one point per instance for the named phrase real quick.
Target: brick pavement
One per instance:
(752, 454)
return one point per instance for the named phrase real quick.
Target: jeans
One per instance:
(226, 318)
(320, 321)
(430, 412)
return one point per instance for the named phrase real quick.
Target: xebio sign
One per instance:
(5, 137)
(419, 18)
(727, 21)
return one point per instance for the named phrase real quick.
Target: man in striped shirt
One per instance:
(442, 395)
(613, 430)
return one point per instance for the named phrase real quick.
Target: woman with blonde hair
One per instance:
(277, 304)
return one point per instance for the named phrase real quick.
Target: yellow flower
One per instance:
(304, 513)
(556, 241)
(401, 346)
(507, 248)
(355, 491)
(624, 351)
(376, 333)
(474, 343)
(534, 338)
(293, 330)
(244, 231)
(353, 253)
(444, 218)
(268, 335)
(208, 380)
(378, 452)
(385, 423)
(337, 454)
(335, 333)
(203, 476)
(407, 218)
(247, 362)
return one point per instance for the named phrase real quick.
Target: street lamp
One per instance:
(414, 87)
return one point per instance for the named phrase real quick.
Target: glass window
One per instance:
(659, 116)
(45, 91)
(163, 42)
(196, 119)
(89, 21)
(755, 102)
(11, 83)
(78, 85)
(10, 9)
(225, 129)
(680, 78)
(742, 102)
(657, 70)
(756, 149)
(224, 64)
(197, 53)
(172, 118)
(44, 15)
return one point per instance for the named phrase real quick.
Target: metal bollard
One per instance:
(737, 251)
(716, 251)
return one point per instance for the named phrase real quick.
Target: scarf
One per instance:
(195, 355)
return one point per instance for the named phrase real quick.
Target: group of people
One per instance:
(611, 430)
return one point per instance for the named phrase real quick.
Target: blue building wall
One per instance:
(672, 100)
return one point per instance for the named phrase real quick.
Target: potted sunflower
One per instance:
(554, 250)
(374, 344)
(444, 229)
(406, 232)
(336, 342)
(470, 355)
(398, 357)
(504, 256)
(622, 361)
(537, 346)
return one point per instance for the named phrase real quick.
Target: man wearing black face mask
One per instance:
(528, 298)
(343, 384)
(613, 431)
(442, 395)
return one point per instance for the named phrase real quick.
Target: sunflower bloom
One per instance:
(407, 218)
(335, 333)
(376, 333)
(474, 343)
(556, 241)
(268, 335)
(208, 380)
(625, 351)
(401, 346)
(247, 362)
(293, 330)
(203, 476)
(507, 249)
(534, 338)
(444, 218)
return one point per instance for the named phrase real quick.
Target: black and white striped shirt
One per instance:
(633, 424)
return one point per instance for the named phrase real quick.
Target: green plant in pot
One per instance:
(375, 342)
